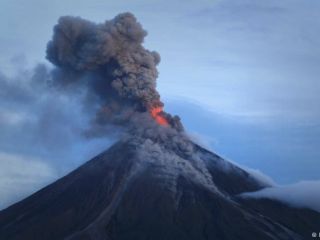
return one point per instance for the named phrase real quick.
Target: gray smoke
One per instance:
(101, 87)
(103, 82)
(110, 60)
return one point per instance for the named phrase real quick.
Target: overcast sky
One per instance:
(243, 75)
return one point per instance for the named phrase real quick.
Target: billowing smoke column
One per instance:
(110, 59)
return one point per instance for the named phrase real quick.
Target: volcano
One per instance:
(141, 189)
(154, 183)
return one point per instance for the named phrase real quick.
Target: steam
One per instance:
(304, 194)
(110, 60)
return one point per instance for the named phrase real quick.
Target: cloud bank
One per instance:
(42, 133)
(304, 194)
(20, 176)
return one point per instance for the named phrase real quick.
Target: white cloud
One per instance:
(21, 176)
(8, 117)
(304, 194)
(260, 176)
(201, 139)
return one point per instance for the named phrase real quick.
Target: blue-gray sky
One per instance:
(242, 74)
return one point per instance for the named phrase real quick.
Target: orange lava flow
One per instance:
(156, 114)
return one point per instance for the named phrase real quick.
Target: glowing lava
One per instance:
(156, 114)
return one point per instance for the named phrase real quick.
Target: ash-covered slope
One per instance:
(141, 189)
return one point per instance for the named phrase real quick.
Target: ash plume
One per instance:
(110, 60)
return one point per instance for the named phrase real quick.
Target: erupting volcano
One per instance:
(156, 113)
(155, 182)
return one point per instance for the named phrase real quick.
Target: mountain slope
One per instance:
(144, 190)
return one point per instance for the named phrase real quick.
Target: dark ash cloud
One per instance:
(102, 85)
(111, 62)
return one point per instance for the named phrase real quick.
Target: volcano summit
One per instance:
(154, 183)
